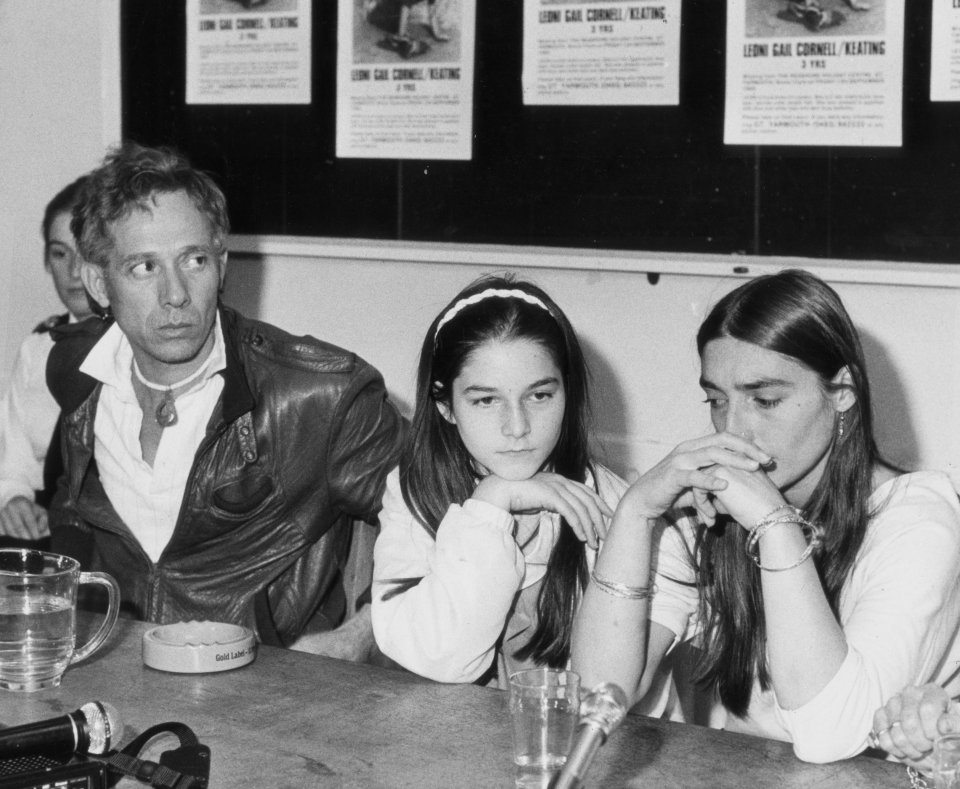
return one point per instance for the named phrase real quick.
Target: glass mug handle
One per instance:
(109, 620)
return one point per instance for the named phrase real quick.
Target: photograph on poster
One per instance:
(775, 18)
(390, 30)
(239, 6)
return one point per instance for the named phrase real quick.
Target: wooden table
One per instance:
(295, 720)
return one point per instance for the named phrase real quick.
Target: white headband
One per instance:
(481, 296)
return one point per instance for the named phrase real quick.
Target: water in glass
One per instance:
(36, 640)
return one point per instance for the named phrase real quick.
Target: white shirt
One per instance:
(475, 579)
(899, 610)
(147, 498)
(28, 416)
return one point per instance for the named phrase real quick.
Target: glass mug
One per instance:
(946, 761)
(38, 596)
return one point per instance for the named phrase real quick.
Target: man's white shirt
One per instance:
(147, 498)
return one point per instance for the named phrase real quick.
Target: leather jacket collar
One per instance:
(82, 336)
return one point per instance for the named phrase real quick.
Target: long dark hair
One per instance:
(796, 314)
(436, 469)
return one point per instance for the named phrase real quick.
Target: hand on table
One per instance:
(907, 725)
(23, 519)
(353, 640)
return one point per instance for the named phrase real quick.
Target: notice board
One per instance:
(635, 178)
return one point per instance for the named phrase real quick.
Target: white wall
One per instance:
(59, 109)
(378, 300)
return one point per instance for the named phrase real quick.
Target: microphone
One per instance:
(91, 729)
(601, 711)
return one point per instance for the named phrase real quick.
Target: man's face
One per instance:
(63, 262)
(162, 283)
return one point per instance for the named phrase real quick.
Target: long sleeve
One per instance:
(28, 415)
(900, 613)
(447, 626)
(365, 446)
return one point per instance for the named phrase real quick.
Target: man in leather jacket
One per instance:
(214, 464)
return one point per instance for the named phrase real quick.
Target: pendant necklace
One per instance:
(166, 413)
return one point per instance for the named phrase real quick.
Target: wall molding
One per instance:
(868, 272)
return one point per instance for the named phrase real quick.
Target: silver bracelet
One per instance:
(623, 590)
(764, 526)
(814, 541)
(774, 511)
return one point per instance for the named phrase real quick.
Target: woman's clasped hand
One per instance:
(718, 469)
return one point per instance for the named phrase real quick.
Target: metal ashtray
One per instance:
(198, 647)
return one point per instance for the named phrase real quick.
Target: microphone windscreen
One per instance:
(104, 726)
(605, 707)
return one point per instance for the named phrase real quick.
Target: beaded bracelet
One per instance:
(812, 530)
(623, 590)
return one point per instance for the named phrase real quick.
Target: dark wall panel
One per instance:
(645, 178)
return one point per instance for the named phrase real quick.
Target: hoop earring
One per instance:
(840, 427)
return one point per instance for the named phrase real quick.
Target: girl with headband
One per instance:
(814, 579)
(490, 524)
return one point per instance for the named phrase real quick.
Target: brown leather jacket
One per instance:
(299, 444)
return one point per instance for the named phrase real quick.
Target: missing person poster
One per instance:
(945, 51)
(593, 52)
(248, 51)
(405, 79)
(814, 72)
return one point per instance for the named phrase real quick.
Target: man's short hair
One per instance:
(130, 179)
(62, 201)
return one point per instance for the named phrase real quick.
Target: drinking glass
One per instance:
(544, 708)
(38, 596)
(946, 760)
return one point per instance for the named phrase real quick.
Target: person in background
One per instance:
(28, 412)
(492, 521)
(814, 578)
(910, 722)
(214, 465)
